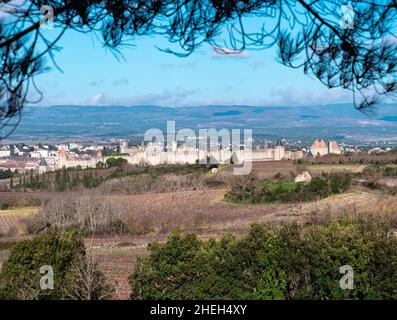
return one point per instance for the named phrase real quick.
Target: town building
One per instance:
(319, 148)
(333, 148)
(5, 153)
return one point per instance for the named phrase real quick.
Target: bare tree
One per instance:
(87, 282)
(354, 50)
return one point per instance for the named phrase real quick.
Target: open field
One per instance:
(265, 169)
(117, 263)
(268, 169)
(12, 221)
(327, 168)
(13, 228)
(117, 256)
(203, 212)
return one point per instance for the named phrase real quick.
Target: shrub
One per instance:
(319, 187)
(291, 262)
(20, 277)
(390, 171)
(115, 162)
(5, 174)
(63, 251)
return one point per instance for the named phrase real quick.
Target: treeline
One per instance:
(290, 262)
(376, 159)
(11, 201)
(66, 178)
(90, 215)
(256, 191)
(60, 180)
(69, 178)
(378, 171)
(157, 171)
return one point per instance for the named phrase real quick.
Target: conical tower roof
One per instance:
(279, 143)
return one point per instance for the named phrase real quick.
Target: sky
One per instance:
(92, 75)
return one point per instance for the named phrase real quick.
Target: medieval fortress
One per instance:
(156, 154)
(43, 159)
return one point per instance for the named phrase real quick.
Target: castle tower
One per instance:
(334, 148)
(279, 151)
(123, 146)
(62, 158)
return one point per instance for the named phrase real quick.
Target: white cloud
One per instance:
(294, 96)
(192, 97)
(175, 97)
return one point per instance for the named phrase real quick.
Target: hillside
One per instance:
(338, 121)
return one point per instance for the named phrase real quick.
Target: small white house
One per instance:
(304, 177)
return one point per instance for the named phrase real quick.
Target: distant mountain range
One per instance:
(337, 121)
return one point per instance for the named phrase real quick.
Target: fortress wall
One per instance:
(84, 163)
(155, 156)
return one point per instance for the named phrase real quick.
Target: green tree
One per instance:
(20, 277)
(99, 165)
(188, 268)
(65, 252)
(115, 162)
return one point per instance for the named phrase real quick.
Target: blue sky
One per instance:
(92, 75)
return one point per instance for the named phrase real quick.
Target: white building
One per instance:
(73, 145)
(5, 153)
(35, 154)
(333, 148)
(319, 148)
(43, 153)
